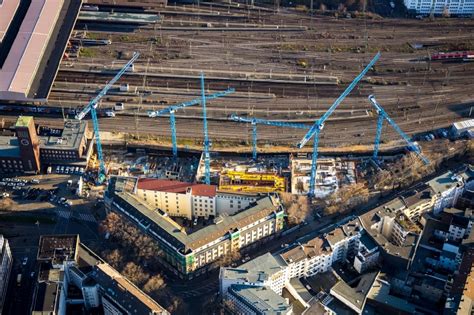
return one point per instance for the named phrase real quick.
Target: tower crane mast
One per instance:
(255, 121)
(172, 109)
(91, 107)
(384, 116)
(316, 128)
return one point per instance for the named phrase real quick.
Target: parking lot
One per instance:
(39, 205)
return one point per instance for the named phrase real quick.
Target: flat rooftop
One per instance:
(52, 247)
(263, 299)
(70, 138)
(9, 147)
(33, 46)
(23, 121)
(47, 298)
(256, 270)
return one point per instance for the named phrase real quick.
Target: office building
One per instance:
(256, 286)
(5, 268)
(34, 147)
(190, 200)
(191, 252)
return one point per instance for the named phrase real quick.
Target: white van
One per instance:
(119, 106)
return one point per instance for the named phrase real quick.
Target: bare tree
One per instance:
(135, 273)
(299, 210)
(154, 284)
(229, 258)
(115, 259)
(6, 204)
(347, 198)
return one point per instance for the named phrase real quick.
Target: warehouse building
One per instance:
(463, 128)
(192, 253)
(33, 147)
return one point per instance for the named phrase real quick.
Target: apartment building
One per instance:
(318, 254)
(368, 255)
(438, 7)
(190, 200)
(395, 234)
(5, 268)
(190, 253)
(344, 241)
(418, 202)
(307, 259)
(448, 187)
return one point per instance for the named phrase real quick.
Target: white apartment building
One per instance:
(454, 7)
(344, 241)
(308, 259)
(448, 187)
(318, 254)
(368, 254)
(5, 268)
(266, 270)
(190, 200)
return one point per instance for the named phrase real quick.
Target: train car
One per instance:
(453, 56)
(88, 7)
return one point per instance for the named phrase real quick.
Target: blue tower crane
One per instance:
(255, 121)
(172, 109)
(384, 116)
(91, 107)
(319, 124)
(207, 143)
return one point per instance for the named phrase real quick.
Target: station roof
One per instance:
(35, 40)
(20, 66)
(8, 9)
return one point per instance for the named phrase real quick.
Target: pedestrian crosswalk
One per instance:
(64, 214)
(87, 217)
(81, 216)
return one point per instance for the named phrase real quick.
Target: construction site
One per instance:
(278, 70)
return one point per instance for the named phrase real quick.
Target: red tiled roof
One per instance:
(175, 186)
(203, 190)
